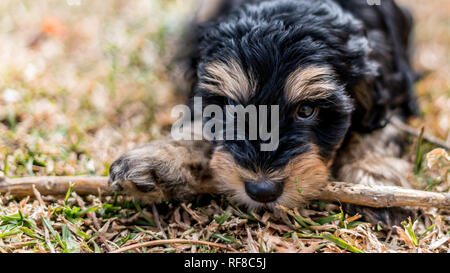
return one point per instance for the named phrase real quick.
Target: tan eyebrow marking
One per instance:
(228, 79)
(312, 82)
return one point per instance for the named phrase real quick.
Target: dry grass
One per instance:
(82, 81)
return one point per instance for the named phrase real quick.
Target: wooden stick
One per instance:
(173, 241)
(158, 221)
(54, 185)
(383, 196)
(373, 196)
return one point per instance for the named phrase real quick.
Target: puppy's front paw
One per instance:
(137, 177)
(161, 170)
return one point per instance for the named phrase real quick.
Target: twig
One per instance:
(18, 245)
(428, 138)
(47, 239)
(383, 196)
(158, 221)
(102, 237)
(372, 196)
(173, 241)
(54, 185)
(71, 227)
(38, 196)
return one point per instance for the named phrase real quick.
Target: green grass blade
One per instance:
(341, 243)
(419, 154)
(69, 191)
(54, 233)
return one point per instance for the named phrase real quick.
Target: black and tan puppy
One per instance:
(338, 70)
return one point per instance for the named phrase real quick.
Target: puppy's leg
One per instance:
(375, 159)
(164, 170)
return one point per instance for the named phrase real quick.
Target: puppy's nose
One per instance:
(263, 190)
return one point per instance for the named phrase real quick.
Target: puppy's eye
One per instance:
(307, 111)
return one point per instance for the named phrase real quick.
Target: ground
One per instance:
(81, 82)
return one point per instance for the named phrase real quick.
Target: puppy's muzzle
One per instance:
(264, 190)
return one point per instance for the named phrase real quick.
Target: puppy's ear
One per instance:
(381, 79)
(371, 107)
(364, 82)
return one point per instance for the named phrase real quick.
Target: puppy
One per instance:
(337, 69)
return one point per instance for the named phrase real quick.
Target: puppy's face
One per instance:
(300, 69)
(314, 117)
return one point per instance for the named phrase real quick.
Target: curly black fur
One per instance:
(367, 47)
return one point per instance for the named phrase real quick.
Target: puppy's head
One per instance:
(302, 57)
